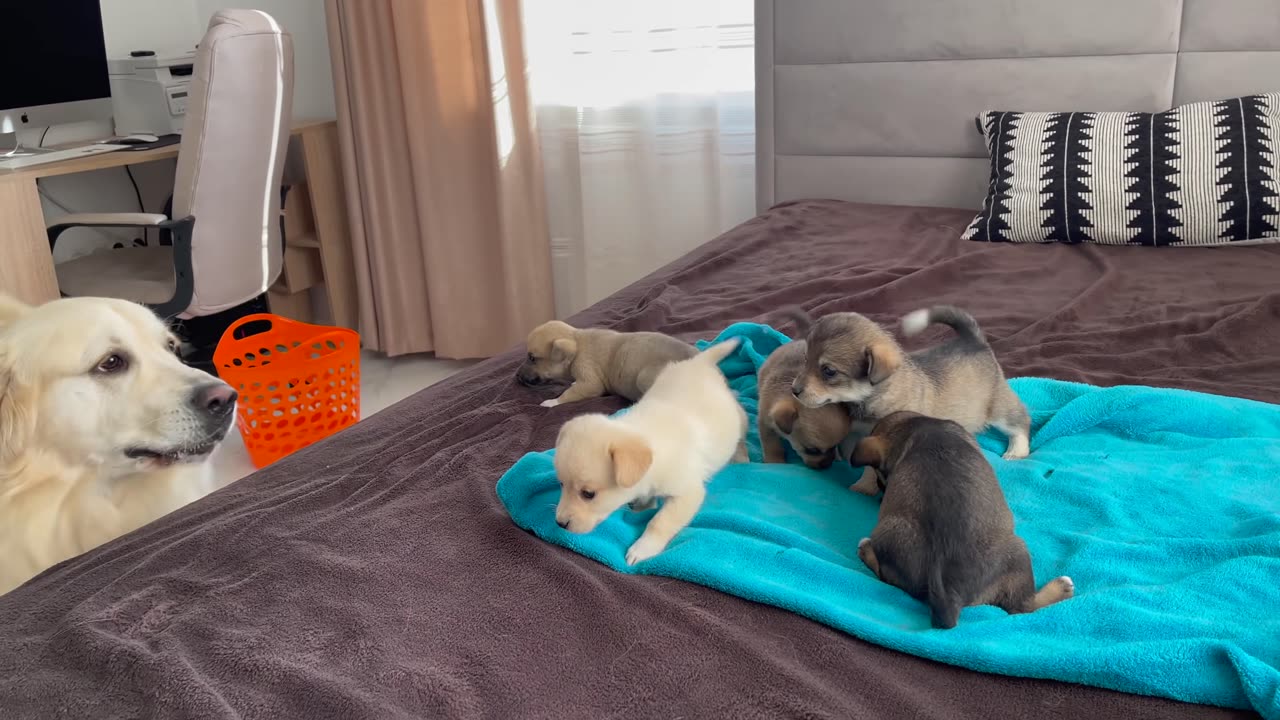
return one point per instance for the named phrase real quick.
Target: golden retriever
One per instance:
(102, 428)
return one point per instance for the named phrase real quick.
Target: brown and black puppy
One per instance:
(598, 362)
(945, 532)
(815, 433)
(852, 359)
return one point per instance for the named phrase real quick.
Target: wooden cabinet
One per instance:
(317, 250)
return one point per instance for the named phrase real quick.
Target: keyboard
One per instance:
(22, 161)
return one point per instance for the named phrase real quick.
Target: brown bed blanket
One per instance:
(377, 575)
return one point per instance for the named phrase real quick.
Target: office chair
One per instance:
(225, 227)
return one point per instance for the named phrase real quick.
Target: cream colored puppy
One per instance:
(102, 428)
(686, 427)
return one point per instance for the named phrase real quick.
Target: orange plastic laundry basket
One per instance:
(298, 383)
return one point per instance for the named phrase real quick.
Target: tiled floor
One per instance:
(383, 382)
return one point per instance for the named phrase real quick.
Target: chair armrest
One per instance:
(142, 220)
(182, 229)
(109, 219)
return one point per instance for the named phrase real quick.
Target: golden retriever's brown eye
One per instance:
(112, 363)
(827, 371)
(812, 451)
(587, 494)
(173, 346)
(532, 359)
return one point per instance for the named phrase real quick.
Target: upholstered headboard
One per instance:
(874, 100)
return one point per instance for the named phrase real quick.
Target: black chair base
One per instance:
(201, 335)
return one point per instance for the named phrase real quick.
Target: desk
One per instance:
(26, 263)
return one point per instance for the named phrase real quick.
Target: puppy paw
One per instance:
(868, 484)
(864, 542)
(550, 403)
(1018, 448)
(1056, 590)
(643, 549)
(1066, 586)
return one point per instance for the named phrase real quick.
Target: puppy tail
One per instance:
(720, 351)
(944, 607)
(798, 315)
(962, 322)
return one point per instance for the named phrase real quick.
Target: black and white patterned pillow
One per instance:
(1199, 174)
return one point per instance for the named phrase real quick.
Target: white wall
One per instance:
(169, 26)
(160, 25)
(304, 19)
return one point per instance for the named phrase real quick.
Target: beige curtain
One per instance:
(443, 179)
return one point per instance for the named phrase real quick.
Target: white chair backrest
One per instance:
(232, 157)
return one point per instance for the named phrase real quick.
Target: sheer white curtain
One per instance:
(645, 113)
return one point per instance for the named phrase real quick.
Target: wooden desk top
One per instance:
(119, 158)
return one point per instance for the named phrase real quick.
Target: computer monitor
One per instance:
(53, 64)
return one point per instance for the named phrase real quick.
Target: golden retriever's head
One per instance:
(97, 383)
(552, 348)
(599, 465)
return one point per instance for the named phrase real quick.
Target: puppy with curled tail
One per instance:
(852, 359)
(682, 431)
(945, 532)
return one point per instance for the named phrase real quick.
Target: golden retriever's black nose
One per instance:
(562, 523)
(797, 390)
(215, 400)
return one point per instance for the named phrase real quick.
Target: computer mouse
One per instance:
(137, 139)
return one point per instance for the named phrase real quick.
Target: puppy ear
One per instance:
(11, 309)
(870, 452)
(564, 348)
(784, 414)
(883, 360)
(631, 460)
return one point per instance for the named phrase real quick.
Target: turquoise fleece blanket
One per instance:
(1162, 505)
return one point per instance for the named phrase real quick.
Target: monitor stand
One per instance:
(11, 147)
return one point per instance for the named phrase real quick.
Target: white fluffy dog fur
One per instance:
(102, 428)
(686, 427)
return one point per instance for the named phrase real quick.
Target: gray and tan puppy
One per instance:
(598, 362)
(814, 433)
(852, 359)
(945, 533)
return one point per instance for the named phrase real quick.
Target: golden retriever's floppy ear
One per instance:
(883, 360)
(631, 460)
(10, 310)
(784, 414)
(564, 348)
(870, 452)
(15, 418)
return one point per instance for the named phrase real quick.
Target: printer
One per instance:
(149, 92)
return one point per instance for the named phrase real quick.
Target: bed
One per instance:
(377, 575)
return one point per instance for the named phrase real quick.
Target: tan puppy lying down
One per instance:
(814, 433)
(598, 362)
(102, 428)
(668, 445)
